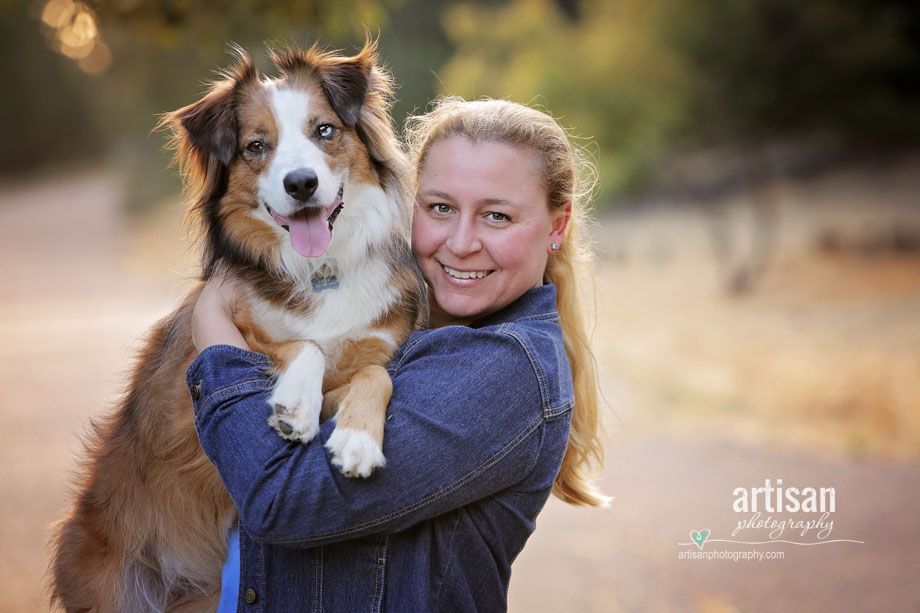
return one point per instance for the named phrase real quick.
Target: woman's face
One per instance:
(482, 227)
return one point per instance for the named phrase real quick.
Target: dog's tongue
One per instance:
(310, 234)
(310, 231)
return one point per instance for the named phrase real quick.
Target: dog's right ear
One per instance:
(210, 123)
(207, 129)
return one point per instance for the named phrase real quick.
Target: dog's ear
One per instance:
(346, 83)
(345, 80)
(210, 124)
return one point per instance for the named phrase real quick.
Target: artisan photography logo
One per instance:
(767, 516)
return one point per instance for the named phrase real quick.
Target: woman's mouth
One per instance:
(466, 274)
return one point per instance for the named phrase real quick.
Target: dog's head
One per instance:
(269, 162)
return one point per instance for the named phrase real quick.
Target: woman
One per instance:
(493, 408)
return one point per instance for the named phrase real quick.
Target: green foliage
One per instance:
(608, 75)
(412, 47)
(646, 78)
(642, 79)
(46, 116)
(766, 66)
(216, 20)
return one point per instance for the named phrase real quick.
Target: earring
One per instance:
(554, 246)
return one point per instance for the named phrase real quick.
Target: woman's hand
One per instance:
(212, 319)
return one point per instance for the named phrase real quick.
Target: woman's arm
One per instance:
(464, 422)
(212, 318)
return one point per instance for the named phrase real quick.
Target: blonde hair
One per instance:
(569, 177)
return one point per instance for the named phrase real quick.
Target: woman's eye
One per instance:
(256, 147)
(440, 207)
(493, 216)
(325, 130)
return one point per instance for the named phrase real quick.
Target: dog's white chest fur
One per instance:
(348, 311)
(362, 297)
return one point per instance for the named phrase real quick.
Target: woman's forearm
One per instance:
(212, 319)
(446, 446)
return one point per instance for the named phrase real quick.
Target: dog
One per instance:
(298, 186)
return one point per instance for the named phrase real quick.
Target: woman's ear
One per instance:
(560, 222)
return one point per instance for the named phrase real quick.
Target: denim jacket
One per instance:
(476, 430)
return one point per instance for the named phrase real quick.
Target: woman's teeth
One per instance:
(457, 274)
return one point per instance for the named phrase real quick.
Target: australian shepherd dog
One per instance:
(299, 187)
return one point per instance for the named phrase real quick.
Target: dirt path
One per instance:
(74, 301)
(70, 315)
(625, 558)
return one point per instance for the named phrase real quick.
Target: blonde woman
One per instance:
(494, 406)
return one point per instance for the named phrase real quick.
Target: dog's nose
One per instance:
(301, 183)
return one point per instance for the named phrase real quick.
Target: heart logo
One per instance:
(699, 537)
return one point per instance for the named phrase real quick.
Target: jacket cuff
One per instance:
(220, 370)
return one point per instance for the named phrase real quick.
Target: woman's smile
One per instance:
(465, 275)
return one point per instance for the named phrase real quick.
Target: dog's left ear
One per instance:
(345, 83)
(345, 80)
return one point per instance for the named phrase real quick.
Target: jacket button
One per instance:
(196, 391)
(250, 596)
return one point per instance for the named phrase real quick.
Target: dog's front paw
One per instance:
(297, 398)
(295, 409)
(289, 426)
(354, 452)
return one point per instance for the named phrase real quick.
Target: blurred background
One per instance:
(759, 260)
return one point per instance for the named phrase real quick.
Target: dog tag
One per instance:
(319, 284)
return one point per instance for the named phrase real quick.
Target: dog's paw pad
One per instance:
(296, 404)
(354, 452)
(280, 422)
(291, 428)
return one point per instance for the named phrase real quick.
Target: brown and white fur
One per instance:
(149, 524)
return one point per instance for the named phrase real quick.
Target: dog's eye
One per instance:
(256, 147)
(325, 131)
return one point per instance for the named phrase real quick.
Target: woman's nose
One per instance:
(464, 239)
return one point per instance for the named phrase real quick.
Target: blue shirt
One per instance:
(476, 430)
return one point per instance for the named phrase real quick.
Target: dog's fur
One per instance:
(149, 524)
